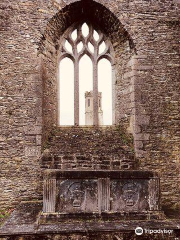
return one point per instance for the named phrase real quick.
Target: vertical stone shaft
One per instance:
(49, 197)
(103, 194)
(154, 194)
(76, 92)
(95, 94)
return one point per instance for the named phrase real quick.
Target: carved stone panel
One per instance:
(77, 195)
(70, 192)
(49, 195)
(129, 195)
(154, 194)
(104, 194)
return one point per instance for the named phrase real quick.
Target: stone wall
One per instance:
(145, 36)
(20, 103)
(89, 148)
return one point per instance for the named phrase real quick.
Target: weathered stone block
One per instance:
(33, 130)
(32, 151)
(141, 137)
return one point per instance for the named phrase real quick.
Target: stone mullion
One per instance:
(95, 94)
(76, 91)
(95, 86)
(76, 79)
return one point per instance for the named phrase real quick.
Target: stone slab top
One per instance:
(24, 221)
(93, 174)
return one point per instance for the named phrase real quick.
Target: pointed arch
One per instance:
(103, 20)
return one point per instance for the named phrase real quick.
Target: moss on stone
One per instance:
(126, 137)
(4, 214)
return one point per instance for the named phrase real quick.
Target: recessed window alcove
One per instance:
(85, 55)
(89, 64)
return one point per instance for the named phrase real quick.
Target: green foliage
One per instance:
(4, 214)
(127, 139)
(49, 138)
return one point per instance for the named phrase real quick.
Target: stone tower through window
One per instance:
(83, 40)
(89, 108)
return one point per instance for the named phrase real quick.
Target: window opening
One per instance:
(66, 92)
(89, 96)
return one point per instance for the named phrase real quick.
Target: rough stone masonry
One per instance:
(145, 35)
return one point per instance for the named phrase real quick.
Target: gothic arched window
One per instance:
(86, 98)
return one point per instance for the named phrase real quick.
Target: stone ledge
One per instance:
(85, 174)
(23, 221)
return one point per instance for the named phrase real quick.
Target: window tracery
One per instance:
(79, 40)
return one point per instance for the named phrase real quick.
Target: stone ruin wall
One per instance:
(87, 148)
(147, 97)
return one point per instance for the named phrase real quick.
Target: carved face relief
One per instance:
(130, 194)
(76, 194)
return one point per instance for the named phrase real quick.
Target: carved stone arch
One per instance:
(124, 49)
(74, 11)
